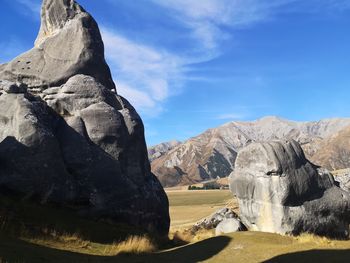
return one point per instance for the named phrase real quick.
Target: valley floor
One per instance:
(186, 207)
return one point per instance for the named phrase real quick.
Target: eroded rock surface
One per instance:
(66, 137)
(212, 221)
(280, 191)
(69, 43)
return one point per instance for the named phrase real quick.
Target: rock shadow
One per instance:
(319, 256)
(58, 179)
(20, 251)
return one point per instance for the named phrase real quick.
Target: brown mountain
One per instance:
(334, 152)
(212, 154)
(158, 150)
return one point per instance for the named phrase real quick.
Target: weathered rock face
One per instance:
(280, 191)
(69, 43)
(72, 141)
(214, 219)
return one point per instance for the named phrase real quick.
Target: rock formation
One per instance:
(213, 153)
(69, 43)
(224, 220)
(214, 219)
(227, 226)
(66, 137)
(280, 191)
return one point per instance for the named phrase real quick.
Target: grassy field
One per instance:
(243, 247)
(186, 207)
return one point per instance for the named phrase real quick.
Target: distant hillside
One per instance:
(158, 150)
(334, 152)
(212, 154)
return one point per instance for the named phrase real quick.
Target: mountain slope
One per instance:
(158, 150)
(212, 154)
(334, 152)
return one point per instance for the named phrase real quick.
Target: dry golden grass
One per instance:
(245, 247)
(242, 247)
(317, 240)
(184, 234)
(64, 241)
(187, 207)
(75, 243)
(133, 245)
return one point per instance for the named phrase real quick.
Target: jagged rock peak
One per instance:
(54, 16)
(69, 43)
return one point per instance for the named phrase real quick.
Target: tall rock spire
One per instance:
(69, 43)
(77, 144)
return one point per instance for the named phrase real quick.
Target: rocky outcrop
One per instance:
(280, 191)
(213, 153)
(66, 137)
(227, 226)
(69, 43)
(212, 221)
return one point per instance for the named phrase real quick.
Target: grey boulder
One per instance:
(227, 226)
(68, 139)
(212, 221)
(280, 191)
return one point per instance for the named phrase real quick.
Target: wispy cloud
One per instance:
(149, 75)
(145, 75)
(210, 19)
(207, 18)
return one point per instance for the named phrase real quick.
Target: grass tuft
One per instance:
(311, 238)
(185, 235)
(133, 245)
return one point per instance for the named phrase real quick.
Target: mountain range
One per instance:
(212, 154)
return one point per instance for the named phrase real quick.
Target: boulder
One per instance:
(69, 139)
(229, 225)
(212, 221)
(280, 191)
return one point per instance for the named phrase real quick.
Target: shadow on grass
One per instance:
(313, 256)
(18, 251)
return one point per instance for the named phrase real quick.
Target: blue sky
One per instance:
(189, 65)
